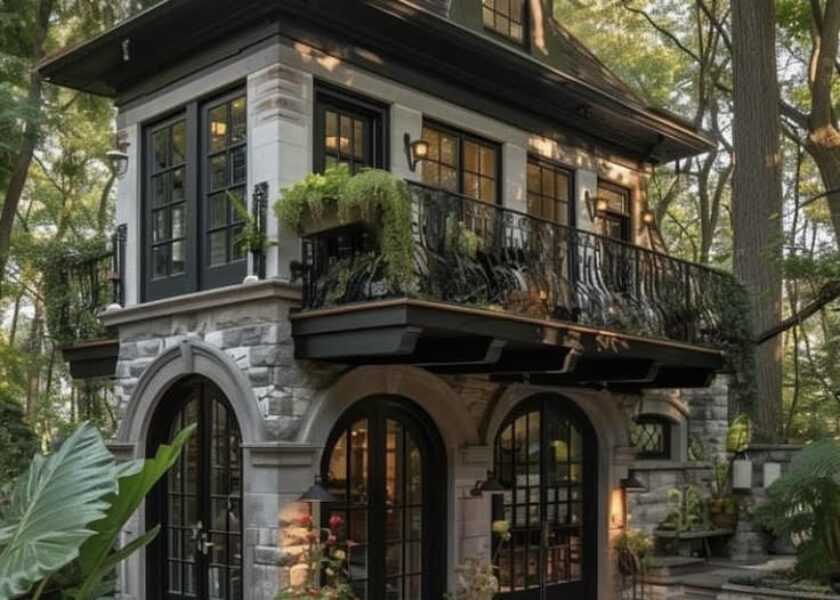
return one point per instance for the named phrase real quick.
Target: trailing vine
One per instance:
(374, 196)
(76, 288)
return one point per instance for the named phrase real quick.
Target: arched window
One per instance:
(385, 465)
(651, 436)
(546, 455)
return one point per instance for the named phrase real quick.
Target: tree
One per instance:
(757, 193)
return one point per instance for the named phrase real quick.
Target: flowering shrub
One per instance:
(321, 573)
(476, 577)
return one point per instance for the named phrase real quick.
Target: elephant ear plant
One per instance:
(65, 514)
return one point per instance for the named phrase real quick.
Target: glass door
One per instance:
(198, 553)
(545, 455)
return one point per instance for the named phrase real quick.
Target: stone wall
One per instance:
(256, 335)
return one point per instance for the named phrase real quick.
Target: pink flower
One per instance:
(336, 521)
(331, 539)
(306, 520)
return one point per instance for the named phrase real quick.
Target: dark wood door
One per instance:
(198, 553)
(546, 455)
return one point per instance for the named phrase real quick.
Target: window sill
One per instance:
(641, 464)
(204, 300)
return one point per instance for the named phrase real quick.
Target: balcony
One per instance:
(85, 284)
(497, 291)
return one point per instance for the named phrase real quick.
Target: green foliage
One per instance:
(375, 196)
(633, 550)
(63, 518)
(383, 199)
(804, 504)
(17, 440)
(51, 508)
(73, 296)
(310, 196)
(688, 511)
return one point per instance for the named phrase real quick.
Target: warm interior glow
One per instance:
(648, 218)
(218, 128)
(420, 149)
(601, 205)
(617, 508)
(342, 143)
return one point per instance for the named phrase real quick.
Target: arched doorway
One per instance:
(546, 455)
(198, 552)
(385, 464)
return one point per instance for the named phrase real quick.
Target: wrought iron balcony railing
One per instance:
(473, 253)
(87, 284)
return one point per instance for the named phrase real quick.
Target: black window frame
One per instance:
(625, 219)
(465, 136)
(376, 113)
(545, 163)
(525, 24)
(195, 277)
(377, 410)
(666, 453)
(232, 271)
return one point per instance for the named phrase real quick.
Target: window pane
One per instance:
(448, 179)
(178, 221)
(179, 143)
(448, 155)
(471, 157)
(178, 192)
(160, 261)
(218, 127)
(488, 189)
(238, 242)
(345, 131)
(217, 211)
(488, 161)
(433, 138)
(238, 165)
(160, 183)
(218, 171)
(358, 139)
(471, 185)
(160, 145)
(238, 118)
(178, 258)
(218, 247)
(159, 229)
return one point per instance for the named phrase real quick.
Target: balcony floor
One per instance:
(448, 338)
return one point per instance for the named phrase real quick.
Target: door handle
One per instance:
(206, 547)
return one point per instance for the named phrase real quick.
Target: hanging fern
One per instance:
(805, 504)
(309, 195)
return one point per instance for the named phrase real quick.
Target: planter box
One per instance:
(327, 220)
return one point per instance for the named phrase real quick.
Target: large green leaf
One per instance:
(97, 557)
(51, 508)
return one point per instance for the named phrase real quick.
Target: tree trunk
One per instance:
(36, 333)
(757, 194)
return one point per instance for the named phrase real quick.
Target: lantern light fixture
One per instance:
(491, 484)
(118, 157)
(632, 484)
(415, 151)
(317, 493)
(648, 217)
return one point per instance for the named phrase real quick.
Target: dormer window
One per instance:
(506, 18)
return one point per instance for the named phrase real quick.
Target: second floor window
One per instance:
(615, 221)
(505, 17)
(549, 191)
(195, 171)
(349, 131)
(459, 162)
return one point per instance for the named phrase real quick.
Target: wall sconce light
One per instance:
(632, 484)
(491, 484)
(118, 157)
(648, 217)
(415, 151)
(317, 493)
(594, 206)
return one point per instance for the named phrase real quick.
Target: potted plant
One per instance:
(476, 577)
(633, 549)
(311, 204)
(722, 505)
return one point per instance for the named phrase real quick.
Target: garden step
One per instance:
(669, 566)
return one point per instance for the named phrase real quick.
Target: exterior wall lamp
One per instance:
(118, 157)
(594, 206)
(317, 493)
(491, 484)
(632, 484)
(648, 217)
(415, 151)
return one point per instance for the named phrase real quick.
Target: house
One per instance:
(558, 354)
